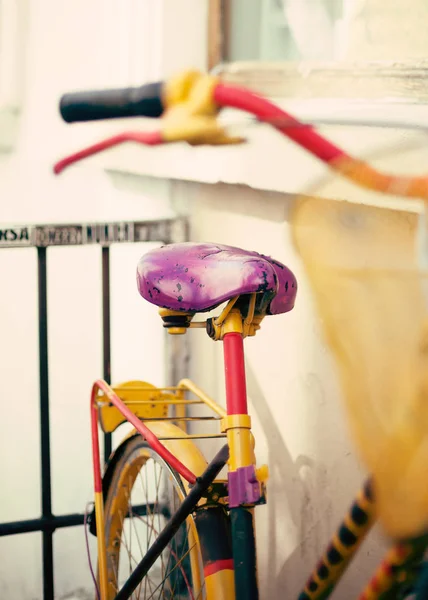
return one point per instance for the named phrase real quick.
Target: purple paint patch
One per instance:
(244, 487)
(198, 277)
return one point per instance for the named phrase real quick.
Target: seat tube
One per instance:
(244, 488)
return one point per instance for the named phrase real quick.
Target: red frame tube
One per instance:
(148, 435)
(98, 484)
(234, 369)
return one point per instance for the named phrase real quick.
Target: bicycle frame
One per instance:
(192, 103)
(244, 488)
(244, 493)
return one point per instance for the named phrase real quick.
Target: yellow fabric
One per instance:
(362, 266)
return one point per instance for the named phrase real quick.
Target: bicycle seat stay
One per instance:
(197, 277)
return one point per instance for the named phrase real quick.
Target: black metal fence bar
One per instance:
(41, 237)
(32, 525)
(43, 524)
(45, 453)
(106, 335)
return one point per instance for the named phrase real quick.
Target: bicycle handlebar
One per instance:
(306, 136)
(144, 101)
(189, 106)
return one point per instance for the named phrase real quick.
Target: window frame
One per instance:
(271, 77)
(218, 25)
(403, 81)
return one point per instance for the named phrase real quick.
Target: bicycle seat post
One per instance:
(244, 487)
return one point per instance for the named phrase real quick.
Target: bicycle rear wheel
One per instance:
(144, 491)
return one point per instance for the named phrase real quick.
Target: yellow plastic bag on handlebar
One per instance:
(362, 264)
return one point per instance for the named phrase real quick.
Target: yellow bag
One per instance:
(362, 265)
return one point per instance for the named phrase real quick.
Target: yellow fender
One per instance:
(184, 449)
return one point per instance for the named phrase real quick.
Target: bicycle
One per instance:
(208, 542)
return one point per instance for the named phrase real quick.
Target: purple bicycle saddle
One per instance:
(196, 277)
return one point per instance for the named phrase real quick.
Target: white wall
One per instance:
(62, 54)
(73, 45)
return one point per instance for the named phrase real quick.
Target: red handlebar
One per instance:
(149, 138)
(304, 135)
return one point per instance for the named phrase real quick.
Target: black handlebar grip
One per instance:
(144, 101)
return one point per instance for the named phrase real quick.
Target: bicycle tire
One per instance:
(190, 551)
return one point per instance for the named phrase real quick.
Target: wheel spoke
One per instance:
(147, 529)
(175, 555)
(131, 512)
(159, 529)
(201, 591)
(126, 544)
(173, 569)
(130, 527)
(142, 503)
(182, 569)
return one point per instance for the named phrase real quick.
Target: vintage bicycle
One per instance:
(167, 524)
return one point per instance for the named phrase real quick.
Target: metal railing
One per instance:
(41, 237)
